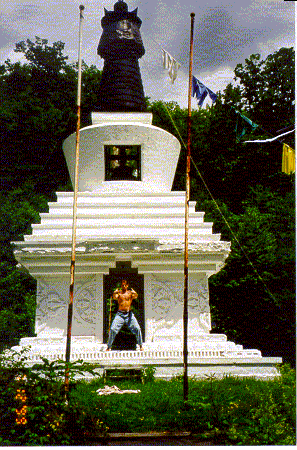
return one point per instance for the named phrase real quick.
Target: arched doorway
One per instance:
(125, 340)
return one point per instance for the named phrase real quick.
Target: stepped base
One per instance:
(213, 356)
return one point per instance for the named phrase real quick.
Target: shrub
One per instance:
(34, 405)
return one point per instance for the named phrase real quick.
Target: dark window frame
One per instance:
(115, 174)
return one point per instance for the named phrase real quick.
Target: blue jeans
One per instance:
(130, 320)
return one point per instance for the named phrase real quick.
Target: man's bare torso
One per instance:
(124, 297)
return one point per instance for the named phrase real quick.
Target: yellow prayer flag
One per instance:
(288, 159)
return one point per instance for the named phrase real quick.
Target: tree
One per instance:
(253, 296)
(230, 167)
(267, 89)
(38, 112)
(18, 209)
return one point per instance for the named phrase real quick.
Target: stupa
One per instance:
(130, 224)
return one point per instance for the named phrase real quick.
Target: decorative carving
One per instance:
(169, 245)
(164, 298)
(85, 293)
(198, 301)
(167, 307)
(135, 246)
(49, 302)
(52, 303)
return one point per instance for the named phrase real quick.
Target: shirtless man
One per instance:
(124, 297)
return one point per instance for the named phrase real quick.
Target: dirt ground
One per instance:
(151, 440)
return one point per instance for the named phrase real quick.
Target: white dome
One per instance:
(159, 153)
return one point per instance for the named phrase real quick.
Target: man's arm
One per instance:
(115, 295)
(134, 294)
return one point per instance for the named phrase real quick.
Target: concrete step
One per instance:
(118, 222)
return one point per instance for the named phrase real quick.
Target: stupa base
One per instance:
(211, 356)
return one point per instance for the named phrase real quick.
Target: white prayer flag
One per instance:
(170, 64)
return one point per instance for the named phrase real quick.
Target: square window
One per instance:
(122, 162)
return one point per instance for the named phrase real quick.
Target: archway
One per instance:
(125, 340)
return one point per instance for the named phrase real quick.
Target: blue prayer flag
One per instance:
(200, 91)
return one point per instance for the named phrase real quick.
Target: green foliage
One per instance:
(252, 298)
(223, 411)
(38, 112)
(18, 209)
(254, 291)
(33, 405)
(226, 411)
(148, 374)
(268, 85)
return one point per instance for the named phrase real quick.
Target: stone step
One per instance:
(154, 233)
(94, 204)
(122, 200)
(115, 222)
(126, 211)
(142, 195)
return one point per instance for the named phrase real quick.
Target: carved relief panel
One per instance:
(165, 317)
(52, 306)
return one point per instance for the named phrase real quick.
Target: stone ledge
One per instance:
(111, 117)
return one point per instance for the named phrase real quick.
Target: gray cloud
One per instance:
(226, 32)
(25, 12)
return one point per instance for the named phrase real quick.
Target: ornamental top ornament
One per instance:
(121, 46)
(120, 12)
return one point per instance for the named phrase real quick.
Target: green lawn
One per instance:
(230, 411)
(237, 411)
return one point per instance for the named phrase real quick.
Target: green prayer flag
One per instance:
(243, 125)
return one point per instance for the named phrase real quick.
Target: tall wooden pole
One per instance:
(186, 252)
(72, 265)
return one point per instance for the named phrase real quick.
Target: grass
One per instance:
(230, 411)
(240, 411)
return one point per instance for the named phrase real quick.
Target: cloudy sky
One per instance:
(226, 32)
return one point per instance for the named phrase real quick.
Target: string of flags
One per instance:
(170, 64)
(270, 139)
(199, 90)
(243, 123)
(288, 159)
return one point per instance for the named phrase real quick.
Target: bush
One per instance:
(34, 409)
(34, 406)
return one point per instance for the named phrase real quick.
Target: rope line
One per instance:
(233, 234)
(221, 213)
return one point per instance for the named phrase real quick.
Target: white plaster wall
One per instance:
(163, 305)
(52, 306)
(159, 156)
(99, 308)
(164, 294)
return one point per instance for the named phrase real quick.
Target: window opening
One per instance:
(122, 162)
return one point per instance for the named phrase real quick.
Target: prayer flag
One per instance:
(170, 64)
(200, 91)
(288, 159)
(243, 124)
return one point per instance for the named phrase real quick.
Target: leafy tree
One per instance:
(268, 90)
(38, 112)
(253, 296)
(18, 209)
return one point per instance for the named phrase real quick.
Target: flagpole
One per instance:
(186, 252)
(72, 265)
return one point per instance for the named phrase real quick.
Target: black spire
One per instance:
(121, 46)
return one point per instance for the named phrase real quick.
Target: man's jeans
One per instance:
(130, 320)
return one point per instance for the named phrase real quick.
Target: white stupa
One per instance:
(129, 224)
